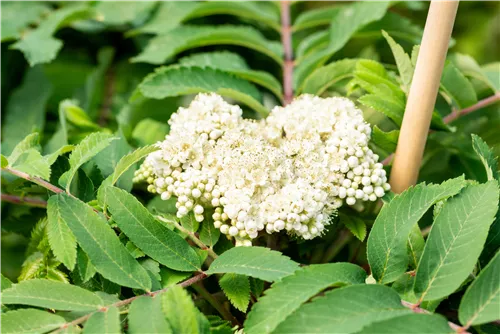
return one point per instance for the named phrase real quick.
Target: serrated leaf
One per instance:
(145, 316)
(86, 269)
(324, 77)
(6, 283)
(345, 310)
(256, 262)
(403, 62)
(32, 163)
(103, 322)
(51, 294)
(492, 71)
(52, 157)
(123, 12)
(234, 64)
(83, 152)
(414, 54)
(74, 114)
(101, 244)
(413, 323)
(183, 38)
(481, 301)
(148, 234)
(31, 141)
(17, 16)
(354, 224)
(315, 17)
(178, 81)
(237, 289)
(487, 157)
(388, 105)
(61, 239)
(416, 245)
(38, 45)
(175, 299)
(385, 140)
(209, 235)
(457, 87)
(30, 321)
(286, 296)
(456, 240)
(387, 253)
(25, 110)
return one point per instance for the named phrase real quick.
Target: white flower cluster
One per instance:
(289, 172)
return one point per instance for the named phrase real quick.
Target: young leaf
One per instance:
(30, 321)
(456, 240)
(256, 262)
(385, 140)
(286, 296)
(356, 225)
(413, 323)
(315, 17)
(25, 110)
(38, 45)
(345, 310)
(6, 283)
(33, 163)
(416, 245)
(99, 241)
(324, 77)
(457, 87)
(481, 301)
(149, 235)
(5, 162)
(86, 269)
(61, 239)
(388, 105)
(103, 322)
(83, 152)
(209, 235)
(51, 294)
(177, 81)
(403, 62)
(180, 39)
(487, 157)
(386, 250)
(175, 299)
(237, 289)
(145, 316)
(234, 64)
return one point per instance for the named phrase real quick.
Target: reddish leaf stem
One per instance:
(30, 201)
(417, 309)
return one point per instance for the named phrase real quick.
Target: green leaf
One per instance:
(30, 321)
(413, 323)
(388, 105)
(324, 77)
(237, 289)
(345, 310)
(83, 152)
(152, 237)
(286, 296)
(61, 239)
(103, 322)
(387, 253)
(175, 299)
(403, 62)
(209, 235)
(256, 262)
(315, 17)
(164, 47)
(51, 294)
(76, 115)
(149, 132)
(416, 245)
(5, 162)
(86, 269)
(6, 283)
(99, 241)
(25, 110)
(178, 81)
(456, 240)
(457, 87)
(169, 16)
(487, 157)
(234, 64)
(492, 72)
(385, 140)
(38, 45)
(481, 301)
(123, 12)
(31, 141)
(260, 12)
(355, 224)
(17, 16)
(145, 316)
(52, 157)
(32, 163)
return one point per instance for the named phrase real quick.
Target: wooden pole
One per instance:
(422, 95)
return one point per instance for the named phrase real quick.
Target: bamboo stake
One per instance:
(423, 93)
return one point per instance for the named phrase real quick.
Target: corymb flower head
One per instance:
(289, 172)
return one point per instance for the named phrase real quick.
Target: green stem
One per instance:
(215, 303)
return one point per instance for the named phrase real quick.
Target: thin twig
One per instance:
(417, 309)
(286, 40)
(454, 115)
(34, 179)
(200, 288)
(190, 235)
(80, 320)
(29, 201)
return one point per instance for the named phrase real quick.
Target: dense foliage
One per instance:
(88, 89)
